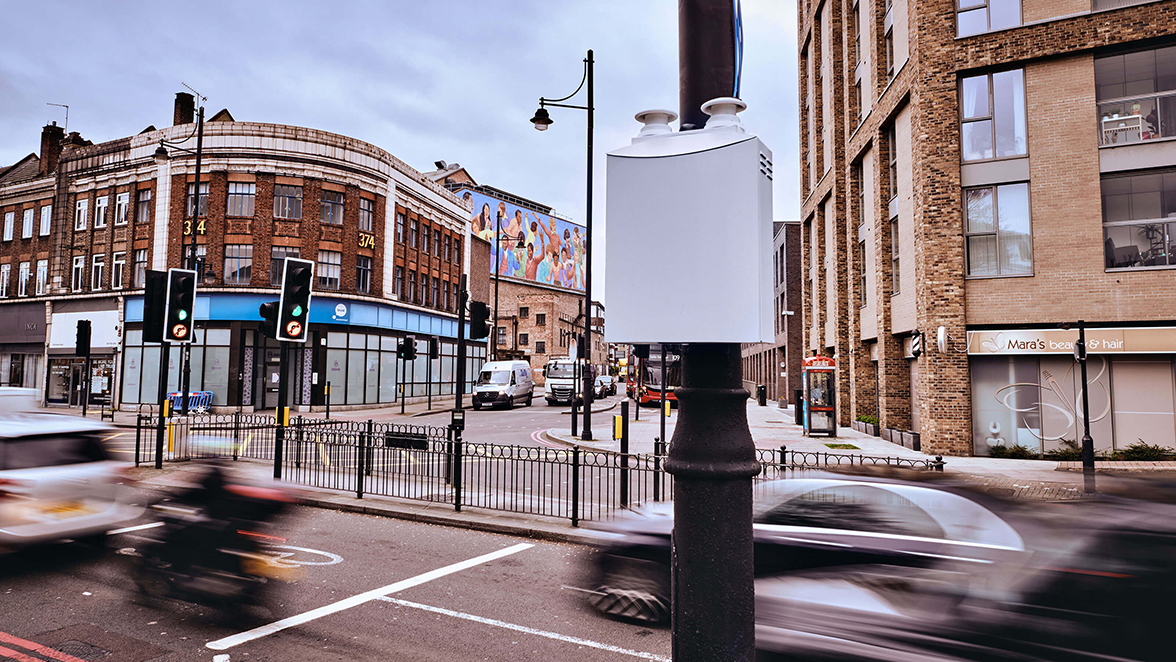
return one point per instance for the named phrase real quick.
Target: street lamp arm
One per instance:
(543, 101)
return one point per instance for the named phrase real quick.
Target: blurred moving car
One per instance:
(605, 385)
(1096, 585)
(821, 521)
(57, 480)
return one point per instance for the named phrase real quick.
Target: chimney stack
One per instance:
(185, 109)
(51, 137)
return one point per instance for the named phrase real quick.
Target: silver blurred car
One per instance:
(56, 479)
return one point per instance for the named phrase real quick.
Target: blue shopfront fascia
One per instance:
(323, 310)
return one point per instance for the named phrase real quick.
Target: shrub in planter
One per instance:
(1142, 451)
(866, 418)
(1014, 452)
(1070, 451)
(871, 428)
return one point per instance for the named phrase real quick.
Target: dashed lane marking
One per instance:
(355, 600)
(138, 527)
(520, 628)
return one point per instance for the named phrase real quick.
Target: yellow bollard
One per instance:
(667, 408)
(171, 435)
(166, 407)
(616, 427)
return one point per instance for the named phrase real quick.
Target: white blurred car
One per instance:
(56, 479)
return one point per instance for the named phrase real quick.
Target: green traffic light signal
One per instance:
(183, 315)
(297, 312)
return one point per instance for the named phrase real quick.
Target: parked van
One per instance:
(563, 377)
(504, 383)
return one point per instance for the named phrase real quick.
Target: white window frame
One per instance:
(143, 205)
(26, 228)
(284, 197)
(136, 281)
(326, 271)
(5, 274)
(333, 203)
(117, 270)
(46, 219)
(9, 221)
(42, 276)
(97, 271)
(100, 206)
(363, 275)
(367, 212)
(81, 215)
(242, 199)
(78, 274)
(22, 280)
(122, 202)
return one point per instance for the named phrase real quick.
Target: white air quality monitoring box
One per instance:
(690, 233)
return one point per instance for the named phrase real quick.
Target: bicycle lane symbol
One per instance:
(300, 556)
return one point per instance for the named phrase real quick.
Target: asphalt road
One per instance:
(519, 426)
(505, 599)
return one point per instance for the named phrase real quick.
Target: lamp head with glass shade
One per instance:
(542, 119)
(160, 153)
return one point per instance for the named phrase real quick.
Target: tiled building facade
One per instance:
(104, 214)
(992, 169)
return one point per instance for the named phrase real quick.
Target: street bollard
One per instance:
(657, 472)
(575, 486)
(360, 453)
(327, 396)
(138, 434)
(457, 470)
(624, 420)
(575, 415)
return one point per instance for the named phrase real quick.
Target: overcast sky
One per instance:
(454, 81)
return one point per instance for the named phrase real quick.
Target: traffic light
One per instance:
(580, 345)
(641, 351)
(479, 313)
(269, 318)
(83, 339)
(154, 304)
(434, 348)
(407, 349)
(294, 306)
(181, 300)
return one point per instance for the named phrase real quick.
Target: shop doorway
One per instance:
(77, 384)
(271, 386)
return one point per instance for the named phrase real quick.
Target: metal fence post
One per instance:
(783, 456)
(624, 454)
(360, 453)
(236, 434)
(369, 460)
(298, 442)
(575, 486)
(449, 455)
(657, 470)
(328, 399)
(457, 470)
(138, 434)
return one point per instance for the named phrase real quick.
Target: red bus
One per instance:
(644, 381)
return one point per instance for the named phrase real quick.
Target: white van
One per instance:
(504, 383)
(563, 380)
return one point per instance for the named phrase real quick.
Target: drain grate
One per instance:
(82, 650)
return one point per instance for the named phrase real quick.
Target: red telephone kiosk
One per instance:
(820, 403)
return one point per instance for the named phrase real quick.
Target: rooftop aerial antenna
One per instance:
(62, 105)
(200, 99)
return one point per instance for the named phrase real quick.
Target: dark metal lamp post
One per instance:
(542, 120)
(1087, 440)
(190, 262)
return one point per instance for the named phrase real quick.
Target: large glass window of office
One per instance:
(1136, 96)
(364, 369)
(1139, 219)
(992, 116)
(998, 230)
(978, 16)
(210, 366)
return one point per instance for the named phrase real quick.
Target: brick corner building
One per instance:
(992, 170)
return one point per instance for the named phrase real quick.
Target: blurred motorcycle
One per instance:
(213, 548)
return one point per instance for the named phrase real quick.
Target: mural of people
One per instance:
(553, 249)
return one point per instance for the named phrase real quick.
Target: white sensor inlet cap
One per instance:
(655, 122)
(723, 112)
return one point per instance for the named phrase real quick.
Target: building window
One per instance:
(9, 221)
(332, 208)
(400, 228)
(423, 290)
(399, 282)
(1136, 94)
(330, 269)
(436, 242)
(412, 234)
(100, 211)
(139, 275)
(238, 264)
(122, 202)
(524, 339)
(861, 275)
(425, 240)
(888, 45)
(22, 280)
(892, 148)
(540, 347)
(524, 312)
(367, 210)
(46, 219)
(999, 240)
(992, 118)
(410, 290)
(977, 16)
(1137, 229)
(363, 274)
(540, 319)
(143, 214)
(447, 254)
(5, 270)
(445, 295)
(288, 202)
(98, 272)
(26, 228)
(895, 274)
(436, 300)
(457, 250)
(501, 335)
(118, 268)
(81, 218)
(278, 255)
(192, 202)
(42, 276)
(241, 198)
(201, 253)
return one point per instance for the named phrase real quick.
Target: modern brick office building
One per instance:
(83, 222)
(993, 168)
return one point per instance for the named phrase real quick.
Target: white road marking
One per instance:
(520, 628)
(128, 529)
(283, 560)
(355, 600)
(220, 658)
